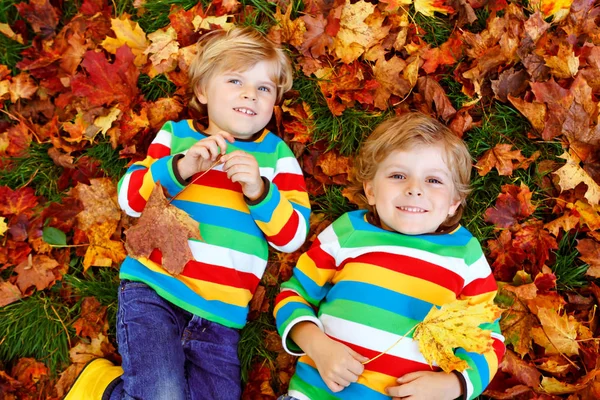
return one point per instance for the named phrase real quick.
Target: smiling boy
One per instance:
(178, 335)
(355, 296)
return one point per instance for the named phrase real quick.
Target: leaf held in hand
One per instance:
(176, 226)
(455, 325)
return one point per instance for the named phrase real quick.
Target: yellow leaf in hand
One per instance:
(455, 325)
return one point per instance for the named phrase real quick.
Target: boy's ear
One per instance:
(369, 192)
(200, 95)
(453, 208)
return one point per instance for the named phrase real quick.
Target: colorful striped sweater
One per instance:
(370, 287)
(230, 259)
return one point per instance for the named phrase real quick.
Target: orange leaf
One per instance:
(504, 160)
(9, 293)
(521, 370)
(38, 273)
(589, 251)
(93, 320)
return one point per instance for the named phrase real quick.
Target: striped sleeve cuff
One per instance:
(163, 171)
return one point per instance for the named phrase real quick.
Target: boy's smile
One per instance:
(240, 102)
(412, 190)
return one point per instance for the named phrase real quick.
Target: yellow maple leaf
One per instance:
(129, 33)
(565, 64)
(6, 30)
(559, 9)
(287, 30)
(571, 175)
(164, 50)
(104, 122)
(360, 29)
(205, 23)
(455, 325)
(428, 7)
(559, 332)
(3, 226)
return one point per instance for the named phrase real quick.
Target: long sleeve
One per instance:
(283, 211)
(303, 293)
(481, 287)
(137, 184)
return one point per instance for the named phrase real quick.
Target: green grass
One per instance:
(8, 11)
(252, 339)
(569, 270)
(433, 30)
(345, 132)
(101, 283)
(36, 170)
(332, 203)
(157, 87)
(10, 52)
(37, 327)
(110, 163)
(156, 13)
(453, 90)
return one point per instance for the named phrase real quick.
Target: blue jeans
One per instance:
(171, 354)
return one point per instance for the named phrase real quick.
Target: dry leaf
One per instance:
(142, 238)
(452, 326)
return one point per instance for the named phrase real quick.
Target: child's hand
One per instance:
(338, 364)
(203, 154)
(243, 168)
(426, 385)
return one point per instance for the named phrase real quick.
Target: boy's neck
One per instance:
(200, 128)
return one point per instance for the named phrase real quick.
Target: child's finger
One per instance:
(357, 356)
(220, 140)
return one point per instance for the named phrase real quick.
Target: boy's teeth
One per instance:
(411, 209)
(245, 111)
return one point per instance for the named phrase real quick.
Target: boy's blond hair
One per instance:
(402, 133)
(238, 49)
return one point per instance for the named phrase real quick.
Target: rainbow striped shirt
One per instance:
(370, 287)
(230, 259)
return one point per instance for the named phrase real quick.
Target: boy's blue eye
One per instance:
(434, 180)
(264, 89)
(235, 81)
(397, 176)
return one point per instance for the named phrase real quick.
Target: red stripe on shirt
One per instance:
(287, 233)
(321, 258)
(219, 180)
(480, 286)
(388, 364)
(158, 150)
(134, 198)
(284, 295)
(288, 181)
(414, 267)
(214, 273)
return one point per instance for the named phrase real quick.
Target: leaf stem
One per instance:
(217, 162)
(392, 346)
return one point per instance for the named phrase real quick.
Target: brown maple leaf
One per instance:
(504, 159)
(93, 320)
(38, 272)
(513, 205)
(523, 371)
(177, 227)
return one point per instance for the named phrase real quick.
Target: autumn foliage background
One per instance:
(85, 85)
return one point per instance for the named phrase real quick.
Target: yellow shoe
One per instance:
(93, 380)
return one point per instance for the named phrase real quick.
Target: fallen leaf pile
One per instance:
(74, 80)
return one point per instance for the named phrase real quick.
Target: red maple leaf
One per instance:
(108, 83)
(20, 201)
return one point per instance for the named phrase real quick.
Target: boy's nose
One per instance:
(249, 94)
(414, 189)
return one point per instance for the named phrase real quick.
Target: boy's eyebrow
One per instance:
(429, 171)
